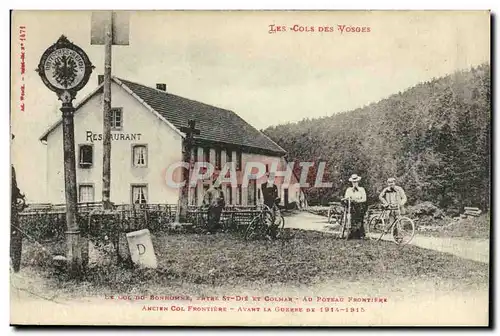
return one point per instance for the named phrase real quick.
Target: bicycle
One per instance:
(335, 212)
(345, 224)
(200, 219)
(402, 228)
(268, 223)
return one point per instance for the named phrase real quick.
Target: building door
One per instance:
(285, 196)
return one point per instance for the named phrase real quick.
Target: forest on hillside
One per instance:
(434, 138)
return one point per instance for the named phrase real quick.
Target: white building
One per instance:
(146, 140)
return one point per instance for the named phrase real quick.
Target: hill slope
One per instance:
(434, 138)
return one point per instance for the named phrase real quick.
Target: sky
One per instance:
(230, 60)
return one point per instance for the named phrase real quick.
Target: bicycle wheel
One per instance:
(347, 230)
(403, 231)
(343, 225)
(334, 218)
(252, 230)
(279, 222)
(375, 228)
(330, 218)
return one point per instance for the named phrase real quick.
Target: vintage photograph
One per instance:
(250, 168)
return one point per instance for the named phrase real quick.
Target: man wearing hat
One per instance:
(270, 198)
(357, 195)
(393, 195)
(269, 192)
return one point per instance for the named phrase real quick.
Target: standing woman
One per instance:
(357, 195)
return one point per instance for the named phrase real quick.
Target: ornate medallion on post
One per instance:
(65, 69)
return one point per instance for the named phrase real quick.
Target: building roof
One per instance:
(215, 124)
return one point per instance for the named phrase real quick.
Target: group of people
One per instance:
(391, 196)
(214, 202)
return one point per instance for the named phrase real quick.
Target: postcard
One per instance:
(250, 168)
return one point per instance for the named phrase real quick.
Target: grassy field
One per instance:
(223, 260)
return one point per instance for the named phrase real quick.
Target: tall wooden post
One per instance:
(74, 247)
(108, 28)
(106, 144)
(182, 205)
(57, 68)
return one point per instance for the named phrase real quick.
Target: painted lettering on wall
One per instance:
(91, 136)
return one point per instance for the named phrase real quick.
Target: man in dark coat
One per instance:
(214, 201)
(16, 238)
(270, 198)
(269, 193)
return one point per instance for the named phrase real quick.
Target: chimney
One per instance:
(100, 79)
(161, 86)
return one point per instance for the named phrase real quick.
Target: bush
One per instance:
(38, 256)
(43, 226)
(425, 209)
(452, 212)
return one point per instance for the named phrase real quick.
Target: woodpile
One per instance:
(471, 211)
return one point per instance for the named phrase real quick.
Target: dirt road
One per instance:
(472, 249)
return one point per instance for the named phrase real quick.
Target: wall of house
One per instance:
(248, 196)
(140, 126)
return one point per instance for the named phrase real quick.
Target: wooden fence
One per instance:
(48, 221)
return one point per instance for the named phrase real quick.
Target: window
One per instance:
(239, 195)
(139, 194)
(218, 158)
(85, 193)
(229, 194)
(206, 155)
(139, 155)
(116, 118)
(86, 154)
(238, 160)
(229, 156)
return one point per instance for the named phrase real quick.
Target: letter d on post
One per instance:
(141, 248)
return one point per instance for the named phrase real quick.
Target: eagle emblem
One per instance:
(64, 70)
